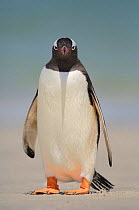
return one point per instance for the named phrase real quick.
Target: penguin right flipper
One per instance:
(30, 129)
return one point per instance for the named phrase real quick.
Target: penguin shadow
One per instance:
(61, 193)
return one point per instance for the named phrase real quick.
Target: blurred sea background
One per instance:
(107, 35)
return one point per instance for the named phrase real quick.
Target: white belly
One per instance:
(67, 125)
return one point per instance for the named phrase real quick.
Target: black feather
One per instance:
(30, 152)
(101, 183)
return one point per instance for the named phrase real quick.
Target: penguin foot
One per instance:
(84, 188)
(78, 191)
(52, 187)
(46, 191)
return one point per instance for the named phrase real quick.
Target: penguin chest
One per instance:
(65, 119)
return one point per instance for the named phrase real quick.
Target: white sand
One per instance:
(19, 174)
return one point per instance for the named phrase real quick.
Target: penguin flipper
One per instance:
(99, 111)
(30, 129)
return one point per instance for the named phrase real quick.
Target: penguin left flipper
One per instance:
(95, 102)
(30, 129)
(99, 111)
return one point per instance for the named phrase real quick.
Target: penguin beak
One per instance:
(64, 50)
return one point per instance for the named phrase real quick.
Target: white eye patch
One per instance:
(55, 43)
(73, 43)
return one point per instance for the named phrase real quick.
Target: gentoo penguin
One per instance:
(66, 115)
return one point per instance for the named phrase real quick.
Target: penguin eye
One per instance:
(73, 48)
(55, 47)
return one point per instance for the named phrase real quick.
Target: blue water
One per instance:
(107, 35)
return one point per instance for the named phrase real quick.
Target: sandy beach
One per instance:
(20, 175)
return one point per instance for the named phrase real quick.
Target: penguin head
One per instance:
(64, 49)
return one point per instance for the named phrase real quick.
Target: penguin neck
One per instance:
(65, 65)
(61, 65)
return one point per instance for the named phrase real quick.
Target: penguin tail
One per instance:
(100, 183)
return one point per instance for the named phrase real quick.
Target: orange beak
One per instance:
(64, 50)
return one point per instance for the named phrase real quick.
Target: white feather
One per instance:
(73, 43)
(67, 126)
(55, 43)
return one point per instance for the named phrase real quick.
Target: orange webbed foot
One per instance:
(78, 191)
(52, 187)
(46, 191)
(84, 188)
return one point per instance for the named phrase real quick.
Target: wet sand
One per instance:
(20, 174)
